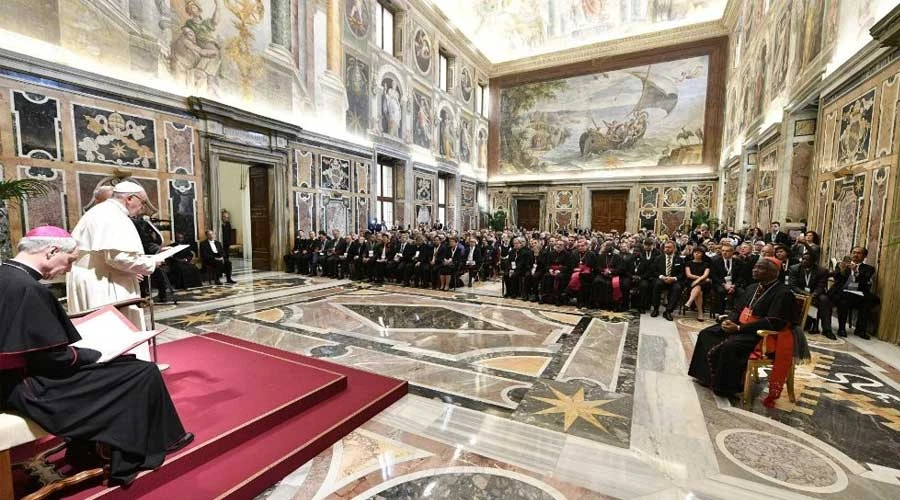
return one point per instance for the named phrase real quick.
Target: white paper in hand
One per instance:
(109, 332)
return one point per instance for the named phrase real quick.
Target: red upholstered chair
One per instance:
(764, 353)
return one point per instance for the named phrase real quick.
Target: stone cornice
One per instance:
(647, 41)
(887, 30)
(214, 110)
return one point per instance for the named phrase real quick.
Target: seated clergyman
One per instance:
(721, 354)
(122, 405)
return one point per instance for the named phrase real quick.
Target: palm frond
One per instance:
(19, 189)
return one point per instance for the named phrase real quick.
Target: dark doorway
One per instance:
(528, 213)
(609, 210)
(260, 218)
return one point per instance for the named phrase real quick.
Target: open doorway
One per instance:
(244, 193)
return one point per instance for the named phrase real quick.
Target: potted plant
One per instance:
(15, 191)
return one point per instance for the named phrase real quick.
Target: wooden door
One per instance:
(529, 214)
(609, 210)
(260, 219)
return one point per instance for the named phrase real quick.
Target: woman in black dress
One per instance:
(697, 272)
(449, 258)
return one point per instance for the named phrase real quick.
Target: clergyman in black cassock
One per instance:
(720, 356)
(123, 403)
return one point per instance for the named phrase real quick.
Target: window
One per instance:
(384, 28)
(384, 190)
(443, 71)
(481, 95)
(442, 201)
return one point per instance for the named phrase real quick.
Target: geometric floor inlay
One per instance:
(431, 317)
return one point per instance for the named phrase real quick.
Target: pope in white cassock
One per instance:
(111, 257)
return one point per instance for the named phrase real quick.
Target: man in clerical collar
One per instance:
(121, 404)
(112, 256)
(721, 353)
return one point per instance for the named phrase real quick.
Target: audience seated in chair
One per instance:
(852, 290)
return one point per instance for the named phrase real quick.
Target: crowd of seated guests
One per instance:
(643, 271)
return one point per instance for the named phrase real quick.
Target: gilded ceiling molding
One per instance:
(732, 13)
(638, 43)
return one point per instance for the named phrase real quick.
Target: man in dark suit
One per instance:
(727, 278)
(227, 241)
(472, 259)
(775, 236)
(605, 287)
(668, 269)
(852, 289)
(809, 278)
(333, 260)
(409, 252)
(645, 267)
(521, 260)
(212, 256)
(293, 260)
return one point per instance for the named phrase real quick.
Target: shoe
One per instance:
(829, 334)
(862, 334)
(162, 367)
(700, 319)
(654, 313)
(231, 282)
(218, 282)
(183, 441)
(841, 332)
(668, 316)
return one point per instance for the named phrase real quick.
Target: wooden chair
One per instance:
(760, 358)
(17, 430)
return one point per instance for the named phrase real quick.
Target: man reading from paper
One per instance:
(112, 257)
(122, 404)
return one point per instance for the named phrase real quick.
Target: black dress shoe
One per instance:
(842, 333)
(183, 441)
(668, 316)
(654, 313)
(829, 334)
(862, 334)
(231, 282)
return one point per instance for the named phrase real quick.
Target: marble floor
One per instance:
(516, 400)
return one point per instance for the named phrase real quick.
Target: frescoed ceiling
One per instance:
(512, 29)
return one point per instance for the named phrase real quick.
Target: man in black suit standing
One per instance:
(668, 269)
(212, 254)
(852, 289)
(775, 236)
(227, 241)
(727, 278)
(809, 278)
(645, 266)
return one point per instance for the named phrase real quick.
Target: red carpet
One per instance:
(258, 414)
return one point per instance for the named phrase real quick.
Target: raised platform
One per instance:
(257, 413)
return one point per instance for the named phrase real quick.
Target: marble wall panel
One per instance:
(362, 213)
(179, 148)
(424, 214)
(151, 186)
(564, 220)
(829, 140)
(672, 220)
(36, 125)
(887, 119)
(750, 197)
(648, 219)
(183, 208)
(304, 211)
(336, 214)
(303, 165)
(822, 205)
(877, 205)
(846, 215)
(801, 169)
(805, 127)
(362, 178)
(110, 137)
(649, 196)
(87, 183)
(701, 197)
(764, 211)
(674, 197)
(48, 209)
(335, 174)
(565, 199)
(855, 131)
(424, 188)
(467, 195)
